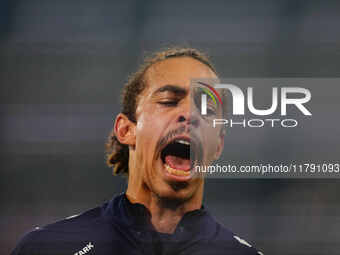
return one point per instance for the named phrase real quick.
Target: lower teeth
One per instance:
(176, 171)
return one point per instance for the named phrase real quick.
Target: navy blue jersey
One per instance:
(120, 227)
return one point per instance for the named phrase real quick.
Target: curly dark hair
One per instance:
(117, 154)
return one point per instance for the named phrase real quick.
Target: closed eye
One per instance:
(168, 103)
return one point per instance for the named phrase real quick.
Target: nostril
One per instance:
(181, 118)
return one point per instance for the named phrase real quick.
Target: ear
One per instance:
(220, 145)
(125, 130)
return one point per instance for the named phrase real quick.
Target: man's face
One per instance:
(167, 128)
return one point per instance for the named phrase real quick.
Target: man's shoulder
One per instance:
(74, 224)
(71, 234)
(228, 240)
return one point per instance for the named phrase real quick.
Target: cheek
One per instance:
(151, 121)
(211, 150)
(148, 132)
(142, 132)
(210, 142)
(147, 127)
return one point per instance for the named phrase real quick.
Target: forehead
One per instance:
(176, 71)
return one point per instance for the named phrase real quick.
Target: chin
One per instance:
(179, 192)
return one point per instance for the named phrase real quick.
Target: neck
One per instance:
(165, 213)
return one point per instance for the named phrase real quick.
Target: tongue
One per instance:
(178, 162)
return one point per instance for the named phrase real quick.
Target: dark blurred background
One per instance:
(63, 64)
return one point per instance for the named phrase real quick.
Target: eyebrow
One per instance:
(175, 89)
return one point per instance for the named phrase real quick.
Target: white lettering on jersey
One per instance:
(85, 250)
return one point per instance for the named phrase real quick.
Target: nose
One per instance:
(188, 115)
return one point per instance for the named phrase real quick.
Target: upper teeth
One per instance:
(183, 142)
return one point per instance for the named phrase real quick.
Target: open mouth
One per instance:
(176, 157)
